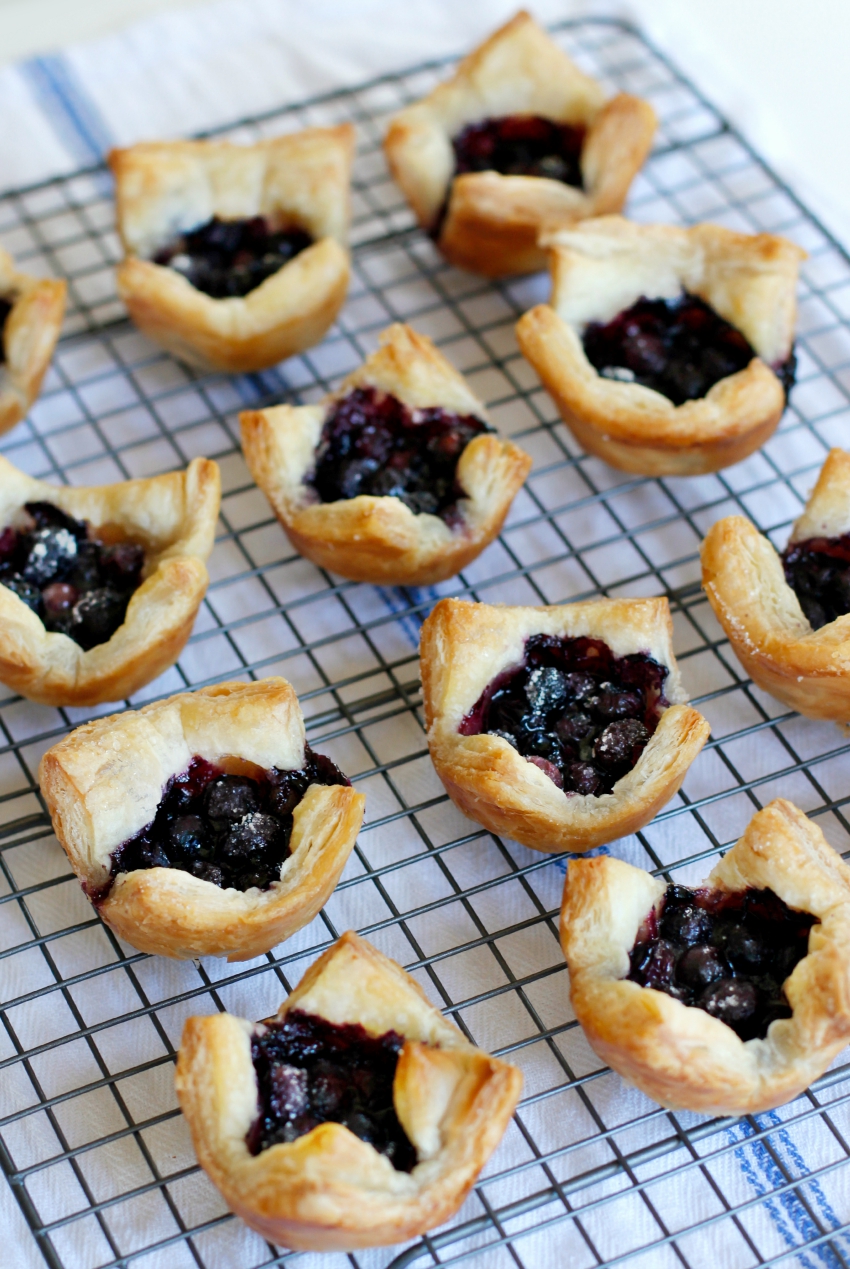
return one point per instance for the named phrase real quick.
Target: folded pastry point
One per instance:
(726, 1000)
(517, 140)
(236, 255)
(788, 617)
(667, 351)
(31, 312)
(562, 727)
(381, 1114)
(397, 477)
(202, 825)
(100, 586)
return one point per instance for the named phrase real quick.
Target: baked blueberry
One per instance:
(75, 584)
(521, 145)
(818, 571)
(230, 830)
(556, 710)
(311, 1071)
(5, 310)
(372, 443)
(728, 954)
(232, 257)
(679, 347)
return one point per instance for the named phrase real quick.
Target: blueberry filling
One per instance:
(679, 347)
(232, 257)
(310, 1072)
(5, 310)
(818, 571)
(231, 830)
(373, 444)
(728, 954)
(77, 585)
(521, 145)
(580, 714)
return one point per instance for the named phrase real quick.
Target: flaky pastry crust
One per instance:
(328, 1190)
(465, 645)
(174, 518)
(373, 539)
(166, 187)
(604, 266)
(806, 669)
(679, 1055)
(492, 222)
(29, 337)
(104, 782)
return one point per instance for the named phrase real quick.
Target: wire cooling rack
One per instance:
(590, 1173)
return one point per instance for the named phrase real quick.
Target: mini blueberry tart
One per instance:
(356, 1117)
(397, 477)
(518, 140)
(203, 825)
(728, 999)
(787, 616)
(31, 312)
(100, 586)
(561, 727)
(235, 254)
(667, 351)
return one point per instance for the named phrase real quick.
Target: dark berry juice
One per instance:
(77, 585)
(5, 310)
(818, 571)
(580, 714)
(373, 444)
(310, 1072)
(232, 257)
(679, 347)
(728, 954)
(231, 830)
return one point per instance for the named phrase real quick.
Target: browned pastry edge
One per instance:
(164, 186)
(174, 518)
(373, 539)
(328, 1190)
(679, 1055)
(492, 222)
(808, 670)
(465, 645)
(29, 337)
(104, 781)
(603, 266)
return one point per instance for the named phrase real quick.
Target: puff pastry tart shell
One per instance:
(806, 669)
(492, 222)
(328, 1190)
(372, 539)
(174, 518)
(464, 646)
(679, 1055)
(164, 188)
(30, 333)
(601, 268)
(103, 784)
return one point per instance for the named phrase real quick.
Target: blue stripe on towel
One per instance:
(73, 115)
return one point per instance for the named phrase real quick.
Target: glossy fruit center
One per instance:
(227, 829)
(77, 585)
(818, 571)
(232, 257)
(728, 954)
(580, 714)
(679, 347)
(373, 444)
(521, 145)
(310, 1072)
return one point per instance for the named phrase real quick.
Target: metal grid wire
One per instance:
(590, 1172)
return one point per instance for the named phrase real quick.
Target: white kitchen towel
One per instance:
(199, 68)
